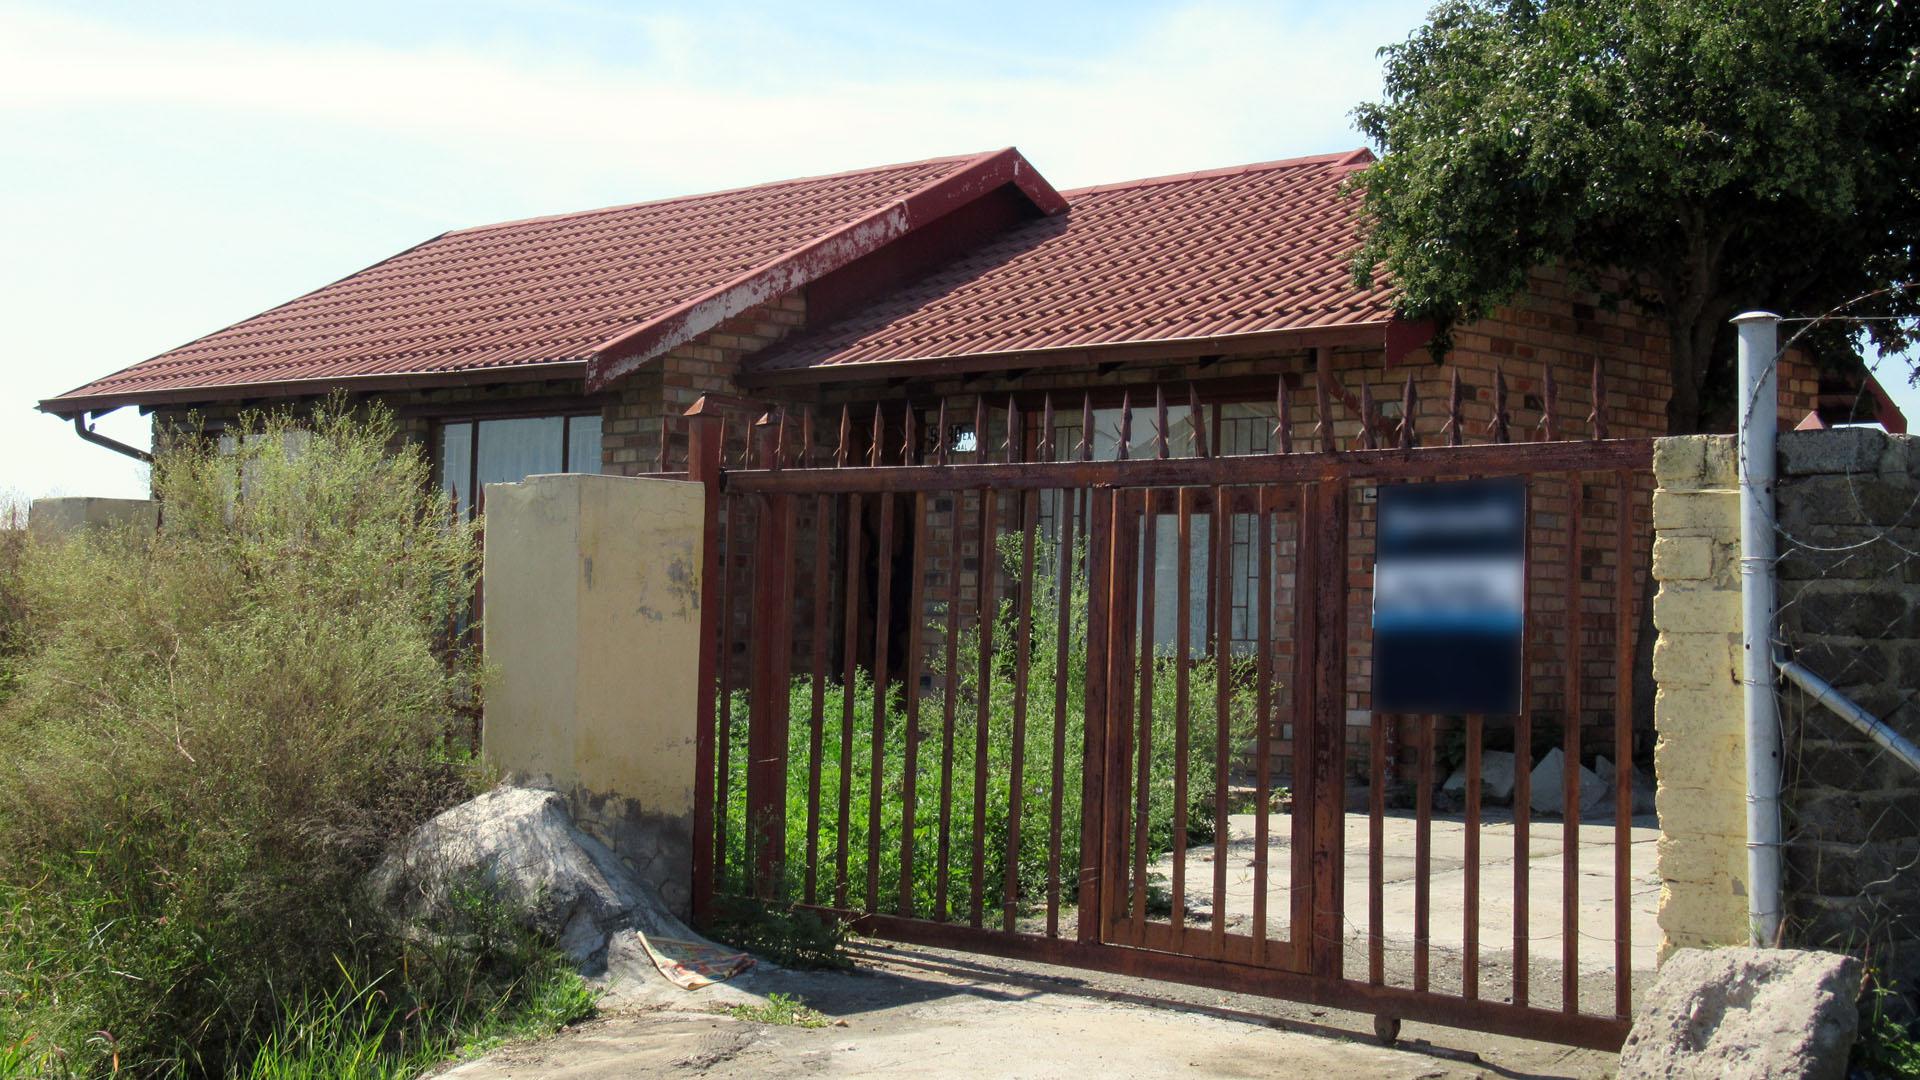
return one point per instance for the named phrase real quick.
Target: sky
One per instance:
(167, 169)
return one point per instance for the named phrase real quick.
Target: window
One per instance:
(474, 453)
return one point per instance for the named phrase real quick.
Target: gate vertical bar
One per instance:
(1570, 783)
(1330, 744)
(1093, 772)
(1623, 752)
(767, 716)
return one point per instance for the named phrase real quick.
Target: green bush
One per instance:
(1047, 666)
(209, 734)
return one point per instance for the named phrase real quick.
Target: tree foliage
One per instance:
(1693, 158)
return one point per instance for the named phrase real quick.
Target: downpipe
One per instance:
(86, 432)
(1759, 409)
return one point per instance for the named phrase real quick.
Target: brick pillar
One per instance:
(1700, 758)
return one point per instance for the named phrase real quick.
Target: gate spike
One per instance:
(1046, 427)
(1282, 417)
(1016, 441)
(1086, 427)
(846, 437)
(1126, 425)
(980, 428)
(1453, 411)
(1323, 405)
(806, 436)
(907, 440)
(1199, 427)
(941, 439)
(1599, 417)
(1407, 409)
(779, 441)
(666, 432)
(1366, 415)
(876, 452)
(1498, 425)
(747, 440)
(1160, 422)
(1546, 406)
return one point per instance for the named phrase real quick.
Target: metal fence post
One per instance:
(1759, 407)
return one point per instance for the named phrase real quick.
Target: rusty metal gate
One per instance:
(1030, 684)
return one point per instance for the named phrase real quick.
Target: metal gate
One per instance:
(1033, 686)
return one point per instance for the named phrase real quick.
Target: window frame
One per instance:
(474, 419)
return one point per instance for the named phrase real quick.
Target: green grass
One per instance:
(848, 729)
(781, 1010)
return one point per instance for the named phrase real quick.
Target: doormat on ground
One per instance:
(691, 965)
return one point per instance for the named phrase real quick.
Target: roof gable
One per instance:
(595, 293)
(1254, 250)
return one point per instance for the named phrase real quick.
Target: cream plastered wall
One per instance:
(1700, 757)
(592, 618)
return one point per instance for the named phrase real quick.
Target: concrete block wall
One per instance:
(1849, 588)
(1700, 752)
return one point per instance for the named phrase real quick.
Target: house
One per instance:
(577, 342)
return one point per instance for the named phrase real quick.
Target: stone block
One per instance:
(1699, 611)
(1677, 461)
(1549, 785)
(1693, 713)
(1710, 511)
(1850, 609)
(1682, 558)
(1868, 499)
(1695, 661)
(1742, 1012)
(1834, 450)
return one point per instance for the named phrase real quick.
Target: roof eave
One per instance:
(71, 405)
(1367, 334)
(632, 348)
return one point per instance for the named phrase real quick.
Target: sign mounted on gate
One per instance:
(1449, 597)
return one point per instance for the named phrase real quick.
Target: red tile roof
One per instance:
(593, 293)
(1258, 249)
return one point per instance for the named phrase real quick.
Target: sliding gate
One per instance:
(1035, 687)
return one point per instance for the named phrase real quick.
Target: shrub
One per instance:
(210, 733)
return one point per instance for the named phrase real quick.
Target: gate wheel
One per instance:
(1386, 1029)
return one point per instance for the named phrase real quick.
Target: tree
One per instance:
(1691, 158)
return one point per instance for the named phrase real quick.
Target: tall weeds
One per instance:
(210, 733)
(1048, 669)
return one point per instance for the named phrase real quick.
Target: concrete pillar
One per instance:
(592, 640)
(1700, 756)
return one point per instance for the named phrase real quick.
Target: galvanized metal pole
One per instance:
(1759, 406)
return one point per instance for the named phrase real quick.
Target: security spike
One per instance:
(1046, 427)
(907, 440)
(1323, 409)
(779, 441)
(1160, 422)
(1407, 410)
(1126, 425)
(1366, 415)
(1282, 417)
(875, 448)
(1498, 425)
(1016, 441)
(1453, 411)
(1197, 423)
(806, 436)
(1599, 417)
(1547, 402)
(666, 433)
(980, 428)
(942, 439)
(1086, 427)
(841, 452)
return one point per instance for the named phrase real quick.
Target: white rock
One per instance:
(1746, 1013)
(1548, 781)
(1496, 778)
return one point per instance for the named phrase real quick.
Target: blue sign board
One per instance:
(1449, 589)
